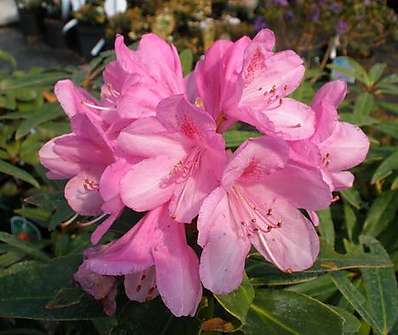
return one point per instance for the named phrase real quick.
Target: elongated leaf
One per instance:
(381, 213)
(237, 303)
(351, 324)
(18, 173)
(381, 289)
(326, 227)
(355, 297)
(26, 247)
(234, 138)
(350, 220)
(364, 105)
(389, 106)
(278, 312)
(47, 113)
(388, 127)
(386, 167)
(25, 293)
(376, 71)
(321, 288)
(353, 197)
(8, 58)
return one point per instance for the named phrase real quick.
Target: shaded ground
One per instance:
(33, 52)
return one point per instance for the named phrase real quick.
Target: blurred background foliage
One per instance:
(352, 289)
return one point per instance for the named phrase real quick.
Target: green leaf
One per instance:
(389, 106)
(233, 138)
(376, 71)
(66, 297)
(27, 248)
(263, 273)
(18, 173)
(388, 127)
(278, 312)
(364, 105)
(355, 298)
(237, 303)
(186, 57)
(47, 113)
(381, 213)
(386, 167)
(381, 288)
(351, 324)
(355, 70)
(353, 197)
(326, 227)
(321, 288)
(26, 292)
(350, 220)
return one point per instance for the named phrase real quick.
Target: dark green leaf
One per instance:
(388, 127)
(18, 173)
(376, 71)
(389, 106)
(278, 312)
(351, 324)
(25, 293)
(353, 197)
(386, 167)
(237, 303)
(186, 57)
(326, 227)
(381, 213)
(364, 105)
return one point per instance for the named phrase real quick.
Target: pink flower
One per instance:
(335, 146)
(87, 157)
(247, 81)
(257, 204)
(144, 77)
(183, 159)
(156, 242)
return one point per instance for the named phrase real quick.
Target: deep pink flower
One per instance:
(257, 204)
(249, 82)
(335, 146)
(183, 159)
(156, 241)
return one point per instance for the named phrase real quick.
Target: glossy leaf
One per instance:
(278, 312)
(386, 167)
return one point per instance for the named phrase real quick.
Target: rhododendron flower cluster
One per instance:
(153, 142)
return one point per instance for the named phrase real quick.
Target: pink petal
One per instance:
(141, 286)
(332, 93)
(292, 245)
(254, 159)
(59, 168)
(148, 138)
(132, 252)
(291, 120)
(345, 148)
(71, 96)
(303, 187)
(104, 227)
(190, 193)
(224, 247)
(177, 274)
(342, 180)
(110, 179)
(82, 194)
(178, 115)
(146, 185)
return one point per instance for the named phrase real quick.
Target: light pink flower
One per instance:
(249, 82)
(335, 146)
(183, 159)
(156, 241)
(257, 204)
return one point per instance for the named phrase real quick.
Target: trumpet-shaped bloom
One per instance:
(156, 242)
(249, 82)
(183, 159)
(335, 146)
(87, 157)
(257, 204)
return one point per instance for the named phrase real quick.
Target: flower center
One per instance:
(252, 218)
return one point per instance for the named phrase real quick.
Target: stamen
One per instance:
(89, 223)
(69, 221)
(98, 107)
(90, 185)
